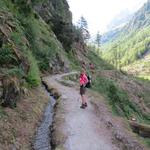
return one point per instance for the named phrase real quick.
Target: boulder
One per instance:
(58, 65)
(11, 91)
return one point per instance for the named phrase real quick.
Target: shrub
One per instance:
(7, 56)
(118, 99)
(64, 32)
(15, 71)
(44, 45)
(33, 77)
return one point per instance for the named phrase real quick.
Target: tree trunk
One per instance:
(142, 129)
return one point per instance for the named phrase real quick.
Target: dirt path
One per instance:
(82, 128)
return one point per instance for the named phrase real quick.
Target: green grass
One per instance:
(33, 39)
(129, 48)
(7, 56)
(33, 77)
(146, 92)
(140, 68)
(118, 99)
(44, 46)
(74, 63)
(15, 71)
(99, 63)
(146, 141)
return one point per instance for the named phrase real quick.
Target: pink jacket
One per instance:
(83, 79)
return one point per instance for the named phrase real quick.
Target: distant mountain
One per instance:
(140, 19)
(116, 25)
(130, 42)
(120, 20)
(111, 35)
(129, 23)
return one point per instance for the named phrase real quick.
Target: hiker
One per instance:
(83, 65)
(83, 82)
(91, 66)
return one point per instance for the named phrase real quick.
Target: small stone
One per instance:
(25, 91)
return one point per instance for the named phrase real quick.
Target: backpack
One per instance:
(88, 85)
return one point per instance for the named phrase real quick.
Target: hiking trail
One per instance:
(82, 128)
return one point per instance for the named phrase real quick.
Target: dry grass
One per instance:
(18, 126)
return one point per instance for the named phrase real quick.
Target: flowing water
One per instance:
(42, 138)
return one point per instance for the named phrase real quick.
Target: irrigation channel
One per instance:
(43, 136)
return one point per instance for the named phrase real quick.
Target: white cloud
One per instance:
(99, 13)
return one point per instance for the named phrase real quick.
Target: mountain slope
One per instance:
(138, 21)
(141, 18)
(116, 26)
(120, 20)
(133, 41)
(140, 68)
(35, 37)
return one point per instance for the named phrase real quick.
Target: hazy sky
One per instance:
(99, 13)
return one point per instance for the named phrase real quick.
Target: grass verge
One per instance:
(33, 77)
(118, 99)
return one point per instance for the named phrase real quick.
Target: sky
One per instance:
(99, 13)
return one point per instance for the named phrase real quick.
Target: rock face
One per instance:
(56, 13)
(35, 37)
(52, 10)
(11, 91)
(58, 65)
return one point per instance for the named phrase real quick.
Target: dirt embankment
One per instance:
(17, 126)
(122, 134)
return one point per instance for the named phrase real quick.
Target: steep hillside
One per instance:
(33, 39)
(56, 13)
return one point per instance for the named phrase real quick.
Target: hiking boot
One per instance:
(85, 105)
(82, 106)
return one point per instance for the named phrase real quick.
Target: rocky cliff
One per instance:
(35, 37)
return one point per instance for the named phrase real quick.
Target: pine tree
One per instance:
(83, 26)
(98, 39)
(82, 23)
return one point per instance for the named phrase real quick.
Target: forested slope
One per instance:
(131, 42)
